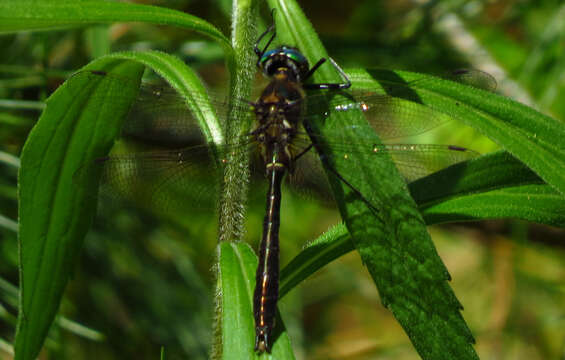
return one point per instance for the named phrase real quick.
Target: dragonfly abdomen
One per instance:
(267, 277)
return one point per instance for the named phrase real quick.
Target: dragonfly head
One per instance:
(284, 59)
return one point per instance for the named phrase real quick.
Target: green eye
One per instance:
(295, 56)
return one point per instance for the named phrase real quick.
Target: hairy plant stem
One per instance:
(236, 172)
(235, 182)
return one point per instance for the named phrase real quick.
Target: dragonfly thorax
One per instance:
(274, 134)
(278, 113)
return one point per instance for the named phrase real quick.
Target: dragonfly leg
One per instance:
(260, 52)
(303, 152)
(330, 86)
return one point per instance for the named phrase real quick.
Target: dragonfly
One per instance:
(278, 142)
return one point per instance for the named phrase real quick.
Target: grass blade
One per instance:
(16, 15)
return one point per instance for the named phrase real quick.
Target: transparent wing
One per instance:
(185, 179)
(413, 161)
(394, 114)
(179, 181)
(474, 77)
(160, 114)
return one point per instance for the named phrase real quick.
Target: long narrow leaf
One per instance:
(494, 186)
(26, 15)
(76, 127)
(80, 123)
(18, 15)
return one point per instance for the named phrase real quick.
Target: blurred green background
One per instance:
(146, 280)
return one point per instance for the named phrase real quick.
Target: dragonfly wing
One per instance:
(179, 181)
(160, 115)
(390, 117)
(475, 78)
(398, 113)
(308, 178)
(415, 161)
(393, 117)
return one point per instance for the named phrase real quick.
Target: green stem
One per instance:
(236, 172)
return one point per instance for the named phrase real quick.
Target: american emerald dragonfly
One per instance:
(278, 142)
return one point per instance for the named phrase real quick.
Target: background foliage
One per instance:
(140, 285)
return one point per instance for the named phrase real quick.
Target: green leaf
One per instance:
(494, 186)
(18, 15)
(98, 41)
(385, 225)
(236, 277)
(237, 264)
(489, 187)
(26, 15)
(75, 128)
(80, 123)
